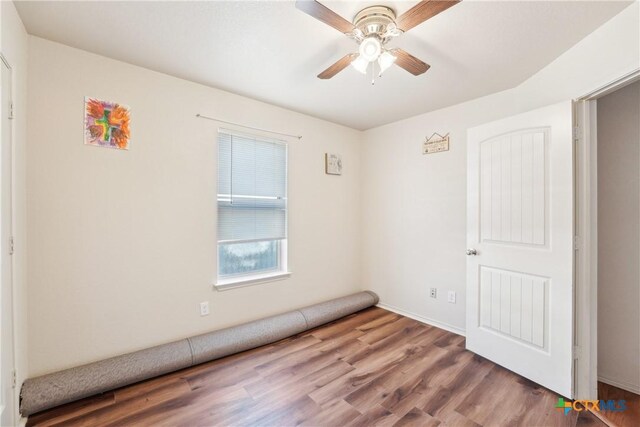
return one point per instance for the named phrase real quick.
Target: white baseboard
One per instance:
(423, 319)
(633, 388)
(22, 421)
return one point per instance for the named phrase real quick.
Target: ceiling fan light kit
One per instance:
(372, 28)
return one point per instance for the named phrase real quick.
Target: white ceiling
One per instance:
(269, 50)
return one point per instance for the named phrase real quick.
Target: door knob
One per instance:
(471, 252)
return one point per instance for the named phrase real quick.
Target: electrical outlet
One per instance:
(451, 297)
(433, 293)
(204, 308)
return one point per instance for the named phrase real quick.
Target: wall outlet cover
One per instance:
(204, 308)
(433, 293)
(451, 297)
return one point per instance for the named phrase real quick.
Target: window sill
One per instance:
(241, 282)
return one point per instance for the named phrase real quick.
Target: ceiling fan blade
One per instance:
(324, 14)
(424, 10)
(338, 66)
(409, 62)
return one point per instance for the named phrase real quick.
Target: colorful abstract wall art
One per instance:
(106, 124)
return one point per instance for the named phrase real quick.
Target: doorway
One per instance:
(607, 327)
(618, 169)
(618, 228)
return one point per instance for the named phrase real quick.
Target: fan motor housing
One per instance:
(374, 20)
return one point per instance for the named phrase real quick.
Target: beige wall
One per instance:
(14, 46)
(122, 244)
(619, 237)
(414, 230)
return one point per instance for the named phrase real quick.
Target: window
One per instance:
(252, 209)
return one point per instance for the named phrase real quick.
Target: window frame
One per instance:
(265, 276)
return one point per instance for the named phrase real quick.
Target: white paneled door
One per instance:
(520, 245)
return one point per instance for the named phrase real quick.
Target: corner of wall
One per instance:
(608, 53)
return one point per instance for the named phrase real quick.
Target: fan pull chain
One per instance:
(373, 73)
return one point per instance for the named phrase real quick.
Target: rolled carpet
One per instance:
(48, 391)
(61, 387)
(217, 344)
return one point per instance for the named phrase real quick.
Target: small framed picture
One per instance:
(332, 164)
(106, 124)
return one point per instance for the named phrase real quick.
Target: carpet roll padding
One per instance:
(48, 391)
(225, 342)
(72, 384)
(325, 312)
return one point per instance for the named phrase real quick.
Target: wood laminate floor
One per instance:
(371, 368)
(629, 417)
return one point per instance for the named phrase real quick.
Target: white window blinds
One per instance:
(252, 189)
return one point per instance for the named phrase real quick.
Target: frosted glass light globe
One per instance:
(370, 48)
(360, 64)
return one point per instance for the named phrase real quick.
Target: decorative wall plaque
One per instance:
(435, 144)
(332, 164)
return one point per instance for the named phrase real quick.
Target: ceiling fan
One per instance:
(372, 28)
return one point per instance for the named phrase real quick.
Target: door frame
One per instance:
(14, 411)
(586, 236)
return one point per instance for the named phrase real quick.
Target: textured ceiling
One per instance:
(269, 50)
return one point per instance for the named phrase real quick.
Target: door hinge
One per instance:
(576, 243)
(10, 110)
(11, 245)
(576, 133)
(576, 352)
(14, 379)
